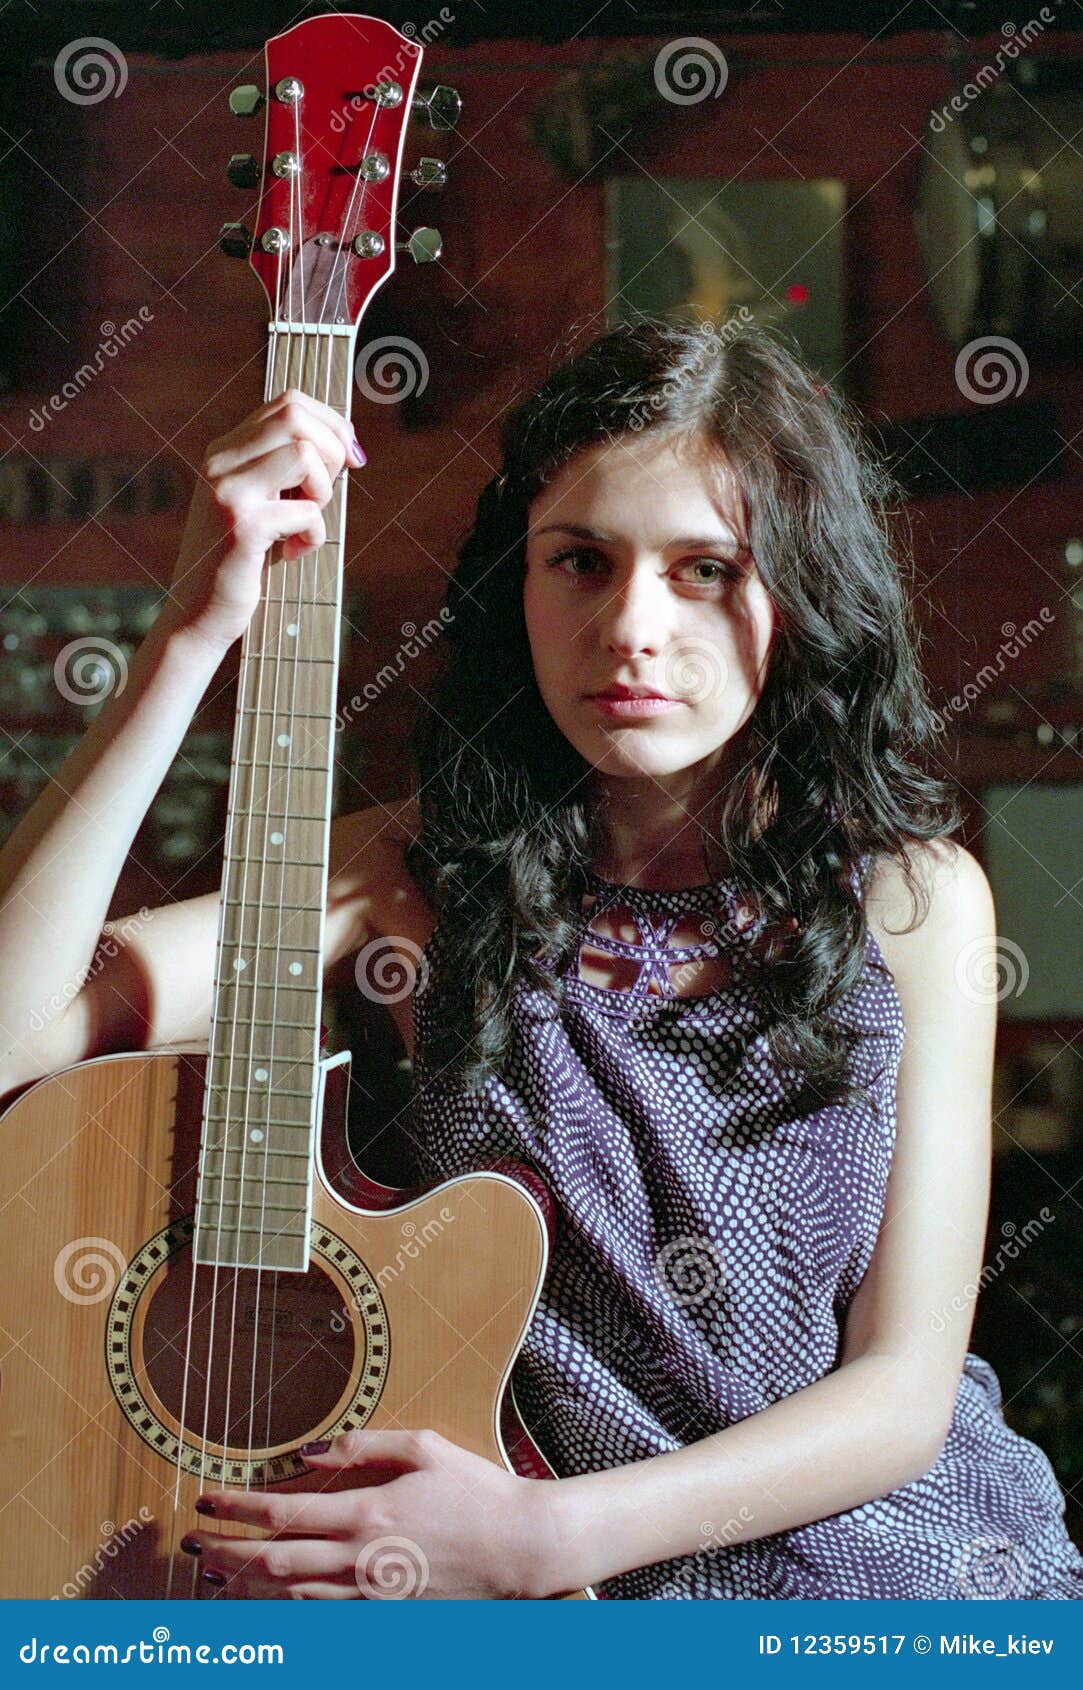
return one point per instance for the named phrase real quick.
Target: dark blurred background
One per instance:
(899, 188)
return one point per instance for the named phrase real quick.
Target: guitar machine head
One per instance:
(338, 93)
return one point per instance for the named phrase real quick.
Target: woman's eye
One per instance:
(571, 555)
(724, 569)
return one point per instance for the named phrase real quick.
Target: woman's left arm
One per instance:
(879, 1420)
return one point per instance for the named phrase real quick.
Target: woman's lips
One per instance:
(629, 708)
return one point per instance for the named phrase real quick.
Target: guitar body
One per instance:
(410, 1315)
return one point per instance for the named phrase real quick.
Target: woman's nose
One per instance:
(630, 618)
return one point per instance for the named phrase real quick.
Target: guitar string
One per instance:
(247, 1126)
(272, 1075)
(285, 383)
(231, 829)
(241, 906)
(231, 822)
(360, 186)
(262, 1178)
(272, 360)
(245, 669)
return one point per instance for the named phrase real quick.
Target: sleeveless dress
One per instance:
(710, 1237)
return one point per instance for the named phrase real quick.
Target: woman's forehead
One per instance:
(648, 487)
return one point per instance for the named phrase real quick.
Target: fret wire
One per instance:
(316, 604)
(261, 1180)
(273, 1021)
(261, 985)
(290, 816)
(290, 715)
(264, 1056)
(304, 950)
(300, 659)
(235, 1121)
(213, 1144)
(244, 1203)
(304, 910)
(269, 763)
(208, 1231)
(277, 1092)
(291, 862)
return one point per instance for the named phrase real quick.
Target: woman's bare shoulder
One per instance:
(368, 849)
(955, 908)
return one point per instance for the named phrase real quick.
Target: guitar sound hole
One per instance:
(304, 1358)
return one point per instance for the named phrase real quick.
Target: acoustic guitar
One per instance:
(195, 1275)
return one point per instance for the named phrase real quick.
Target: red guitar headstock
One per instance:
(339, 92)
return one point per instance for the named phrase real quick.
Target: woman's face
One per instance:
(638, 573)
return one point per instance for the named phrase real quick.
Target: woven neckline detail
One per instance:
(721, 887)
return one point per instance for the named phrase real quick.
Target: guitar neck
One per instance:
(259, 1106)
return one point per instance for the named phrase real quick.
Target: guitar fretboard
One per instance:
(254, 1201)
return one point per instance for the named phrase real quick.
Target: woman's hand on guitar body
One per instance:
(238, 510)
(426, 1519)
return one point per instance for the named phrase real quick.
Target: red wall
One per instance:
(136, 188)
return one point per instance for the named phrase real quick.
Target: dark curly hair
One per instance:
(827, 762)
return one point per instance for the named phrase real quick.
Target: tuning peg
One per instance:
(243, 171)
(423, 245)
(234, 240)
(441, 106)
(429, 173)
(246, 100)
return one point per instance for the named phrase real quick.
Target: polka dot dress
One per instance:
(710, 1235)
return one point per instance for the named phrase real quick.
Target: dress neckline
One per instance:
(706, 888)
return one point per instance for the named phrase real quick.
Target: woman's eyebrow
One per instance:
(682, 541)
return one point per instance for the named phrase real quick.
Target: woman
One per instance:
(670, 957)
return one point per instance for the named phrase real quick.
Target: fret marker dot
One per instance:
(261, 1073)
(283, 739)
(239, 962)
(256, 1135)
(291, 629)
(295, 968)
(276, 838)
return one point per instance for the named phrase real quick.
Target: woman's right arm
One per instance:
(68, 987)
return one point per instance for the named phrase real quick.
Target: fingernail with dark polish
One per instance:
(213, 1577)
(318, 1446)
(357, 453)
(204, 1505)
(191, 1546)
